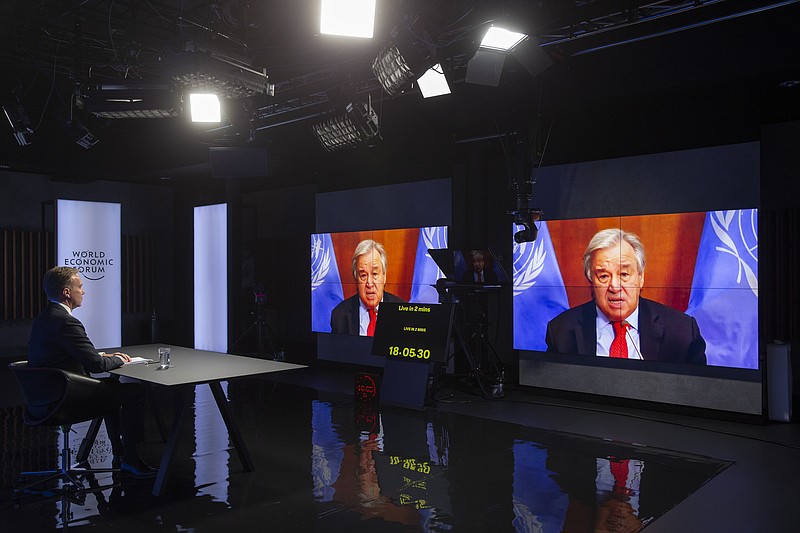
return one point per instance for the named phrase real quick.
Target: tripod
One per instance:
(264, 333)
(484, 362)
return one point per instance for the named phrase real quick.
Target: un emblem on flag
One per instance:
(320, 260)
(737, 231)
(529, 258)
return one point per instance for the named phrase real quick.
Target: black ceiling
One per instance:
(611, 59)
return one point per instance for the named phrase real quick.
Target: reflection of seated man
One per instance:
(618, 323)
(358, 314)
(476, 273)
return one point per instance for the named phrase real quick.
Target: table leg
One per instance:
(172, 441)
(233, 430)
(159, 418)
(88, 440)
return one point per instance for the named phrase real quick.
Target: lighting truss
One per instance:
(356, 126)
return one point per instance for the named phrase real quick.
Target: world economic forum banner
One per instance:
(88, 238)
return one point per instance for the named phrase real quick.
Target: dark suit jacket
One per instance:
(59, 340)
(665, 334)
(344, 317)
(489, 276)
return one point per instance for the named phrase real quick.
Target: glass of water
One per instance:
(164, 358)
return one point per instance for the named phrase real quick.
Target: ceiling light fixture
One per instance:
(501, 39)
(129, 101)
(349, 18)
(205, 107)
(392, 70)
(356, 126)
(228, 75)
(433, 82)
(20, 123)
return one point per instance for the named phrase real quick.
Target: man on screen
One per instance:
(476, 271)
(358, 314)
(618, 322)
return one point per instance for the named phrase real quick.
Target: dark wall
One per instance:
(147, 210)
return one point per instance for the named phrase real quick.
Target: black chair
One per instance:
(55, 397)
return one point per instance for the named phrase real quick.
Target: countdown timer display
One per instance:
(413, 331)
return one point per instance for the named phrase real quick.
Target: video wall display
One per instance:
(352, 272)
(679, 288)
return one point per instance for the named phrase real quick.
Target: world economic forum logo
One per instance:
(320, 260)
(92, 264)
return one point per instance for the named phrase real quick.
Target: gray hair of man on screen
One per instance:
(365, 247)
(608, 238)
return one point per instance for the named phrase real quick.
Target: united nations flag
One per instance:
(426, 272)
(724, 297)
(326, 286)
(539, 293)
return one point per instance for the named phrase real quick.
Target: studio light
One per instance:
(433, 82)
(80, 134)
(486, 66)
(350, 18)
(205, 107)
(129, 101)
(392, 70)
(399, 64)
(356, 126)
(227, 74)
(501, 39)
(20, 123)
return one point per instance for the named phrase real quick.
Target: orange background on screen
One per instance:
(401, 253)
(670, 245)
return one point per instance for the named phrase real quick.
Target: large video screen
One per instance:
(352, 272)
(675, 287)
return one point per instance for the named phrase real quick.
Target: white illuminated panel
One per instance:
(211, 278)
(88, 238)
(433, 82)
(352, 18)
(205, 107)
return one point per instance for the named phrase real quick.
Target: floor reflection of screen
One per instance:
(699, 288)
(404, 272)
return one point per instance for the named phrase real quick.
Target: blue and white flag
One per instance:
(326, 451)
(426, 271)
(539, 292)
(724, 297)
(539, 504)
(326, 286)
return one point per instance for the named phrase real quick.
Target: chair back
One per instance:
(55, 397)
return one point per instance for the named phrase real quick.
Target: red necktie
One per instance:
(373, 317)
(619, 469)
(619, 346)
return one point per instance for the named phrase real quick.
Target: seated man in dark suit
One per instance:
(59, 340)
(618, 322)
(358, 314)
(476, 271)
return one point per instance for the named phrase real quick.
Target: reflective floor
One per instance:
(521, 463)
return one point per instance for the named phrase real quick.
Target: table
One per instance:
(192, 367)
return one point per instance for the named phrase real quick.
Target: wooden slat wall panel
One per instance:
(25, 255)
(137, 277)
(780, 274)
